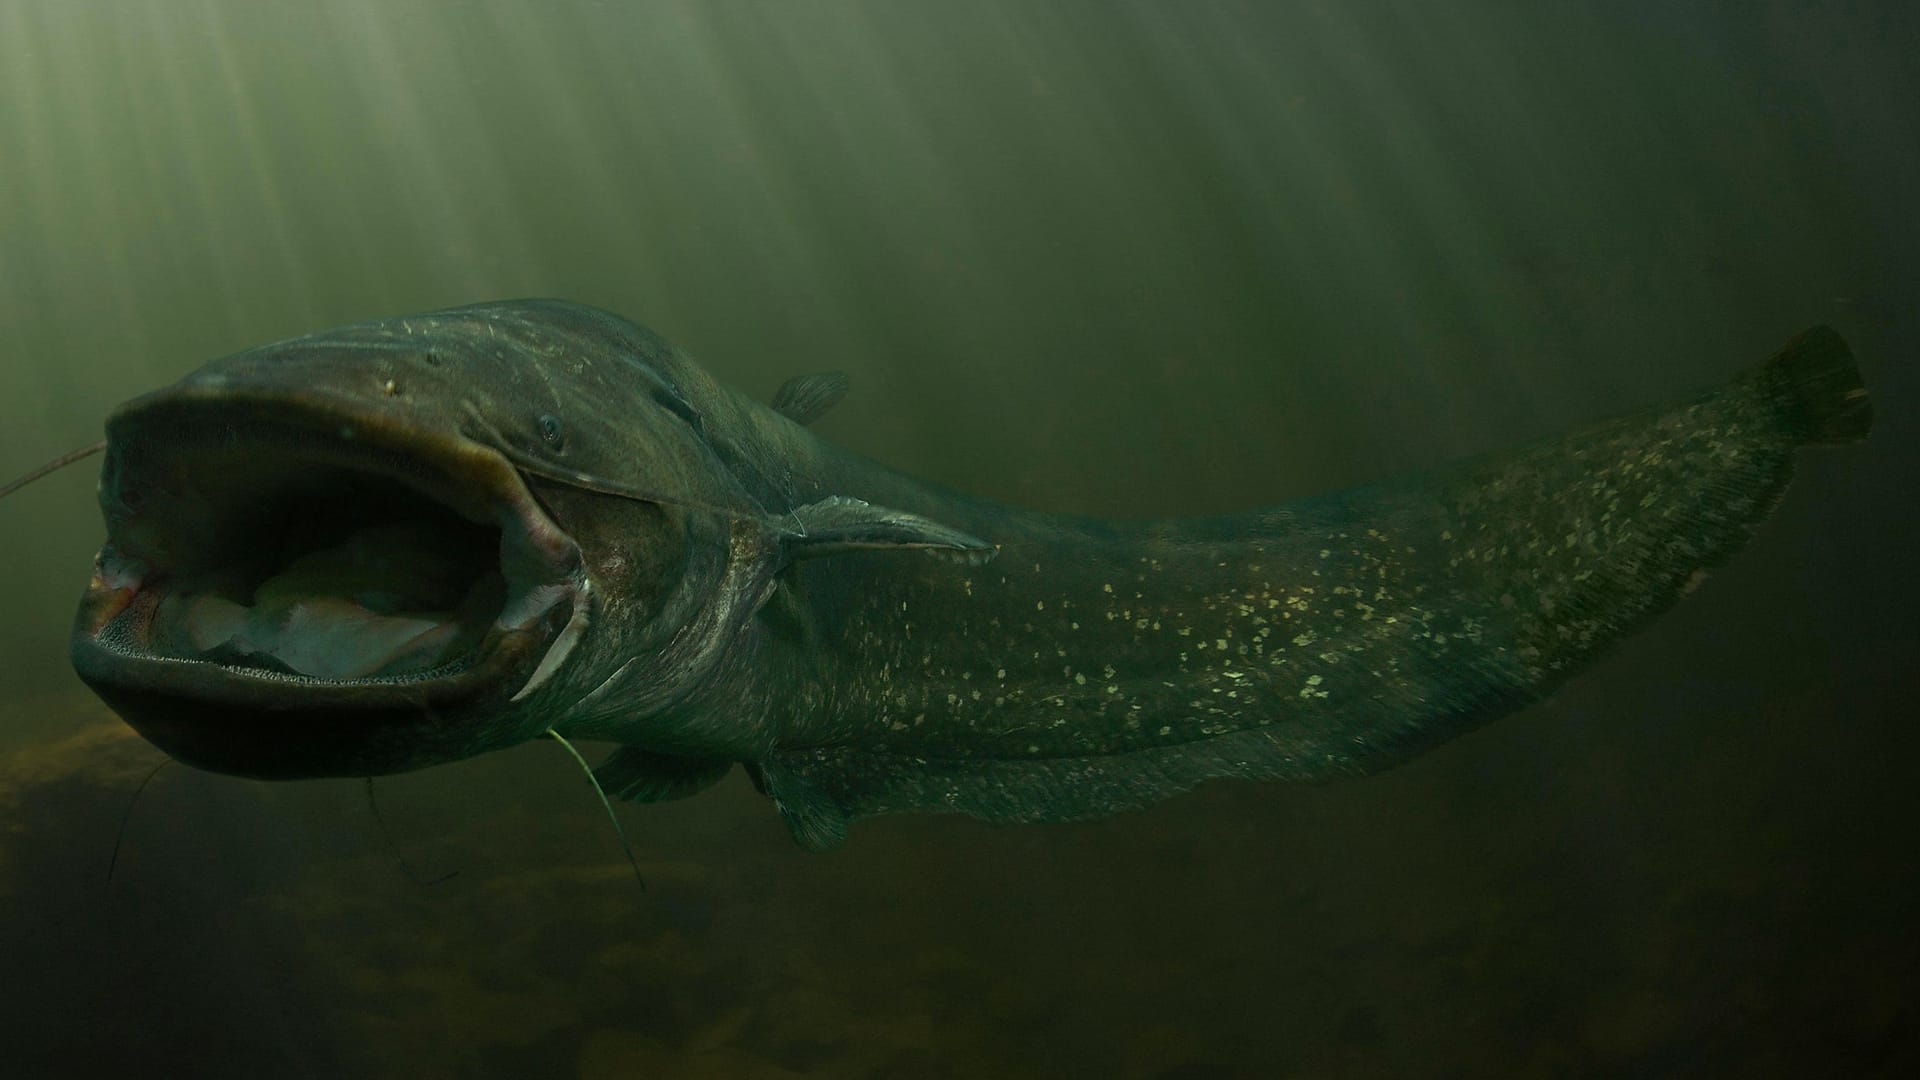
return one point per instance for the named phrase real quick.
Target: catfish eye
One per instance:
(550, 431)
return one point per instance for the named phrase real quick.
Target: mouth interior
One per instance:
(274, 563)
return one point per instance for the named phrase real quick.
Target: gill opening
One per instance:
(562, 646)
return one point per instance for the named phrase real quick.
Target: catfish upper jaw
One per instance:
(295, 584)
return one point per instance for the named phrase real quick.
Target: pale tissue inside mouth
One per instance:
(385, 601)
(325, 637)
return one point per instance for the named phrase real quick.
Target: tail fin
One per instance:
(1815, 384)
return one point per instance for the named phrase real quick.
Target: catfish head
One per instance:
(409, 541)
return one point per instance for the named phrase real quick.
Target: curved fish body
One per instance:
(409, 541)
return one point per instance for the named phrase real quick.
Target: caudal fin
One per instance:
(1816, 386)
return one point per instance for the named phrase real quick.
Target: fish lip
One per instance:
(474, 480)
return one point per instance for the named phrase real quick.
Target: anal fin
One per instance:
(816, 819)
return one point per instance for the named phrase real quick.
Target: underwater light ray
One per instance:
(187, 161)
(242, 108)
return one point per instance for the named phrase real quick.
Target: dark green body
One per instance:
(865, 642)
(1094, 666)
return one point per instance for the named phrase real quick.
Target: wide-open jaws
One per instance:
(292, 588)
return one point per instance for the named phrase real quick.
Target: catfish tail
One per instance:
(1116, 665)
(1815, 386)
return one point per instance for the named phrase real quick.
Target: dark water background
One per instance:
(1119, 258)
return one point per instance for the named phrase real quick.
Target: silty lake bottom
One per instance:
(1538, 901)
(1106, 258)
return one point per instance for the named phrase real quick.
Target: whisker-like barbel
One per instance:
(618, 831)
(126, 816)
(55, 465)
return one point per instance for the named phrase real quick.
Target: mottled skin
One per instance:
(1078, 666)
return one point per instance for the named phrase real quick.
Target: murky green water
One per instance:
(1105, 257)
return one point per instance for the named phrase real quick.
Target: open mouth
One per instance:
(260, 558)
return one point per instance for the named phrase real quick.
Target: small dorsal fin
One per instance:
(836, 525)
(806, 398)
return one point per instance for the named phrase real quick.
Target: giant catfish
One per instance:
(409, 541)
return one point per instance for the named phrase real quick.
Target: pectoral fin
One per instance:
(837, 525)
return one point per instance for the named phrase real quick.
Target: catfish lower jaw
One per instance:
(215, 720)
(287, 595)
